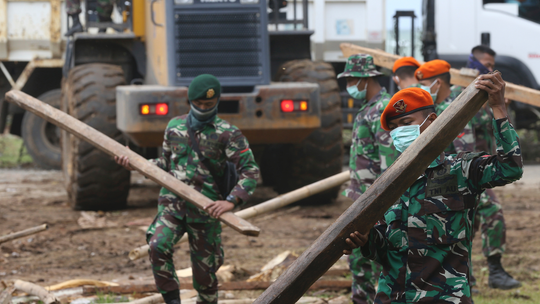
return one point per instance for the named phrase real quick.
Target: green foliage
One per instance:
(109, 298)
(13, 152)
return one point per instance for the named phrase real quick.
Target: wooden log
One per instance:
(36, 290)
(113, 148)
(23, 233)
(241, 285)
(386, 60)
(268, 206)
(79, 283)
(374, 202)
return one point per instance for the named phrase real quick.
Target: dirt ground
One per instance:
(68, 251)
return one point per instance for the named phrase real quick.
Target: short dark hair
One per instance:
(482, 49)
(428, 111)
(406, 72)
(444, 77)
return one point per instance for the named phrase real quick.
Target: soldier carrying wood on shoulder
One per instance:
(424, 241)
(213, 157)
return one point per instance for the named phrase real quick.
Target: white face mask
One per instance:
(428, 89)
(397, 82)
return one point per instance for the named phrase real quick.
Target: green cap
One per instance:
(360, 65)
(204, 86)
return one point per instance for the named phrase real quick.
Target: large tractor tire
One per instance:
(289, 167)
(42, 138)
(92, 179)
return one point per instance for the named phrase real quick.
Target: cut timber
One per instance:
(5, 296)
(79, 283)
(23, 233)
(36, 290)
(270, 205)
(371, 206)
(113, 148)
(386, 60)
(241, 285)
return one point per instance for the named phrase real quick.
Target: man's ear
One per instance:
(396, 80)
(432, 117)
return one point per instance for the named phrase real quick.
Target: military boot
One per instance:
(76, 26)
(171, 297)
(498, 277)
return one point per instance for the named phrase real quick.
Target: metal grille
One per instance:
(223, 44)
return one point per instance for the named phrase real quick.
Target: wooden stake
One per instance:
(113, 148)
(36, 290)
(23, 233)
(79, 283)
(386, 60)
(268, 206)
(372, 205)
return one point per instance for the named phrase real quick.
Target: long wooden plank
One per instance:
(241, 285)
(372, 205)
(386, 60)
(268, 206)
(113, 148)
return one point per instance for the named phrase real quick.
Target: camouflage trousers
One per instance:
(489, 218)
(365, 274)
(204, 246)
(104, 8)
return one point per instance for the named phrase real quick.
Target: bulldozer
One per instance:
(131, 81)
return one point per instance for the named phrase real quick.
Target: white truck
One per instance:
(452, 28)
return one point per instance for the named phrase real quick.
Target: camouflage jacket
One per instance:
(219, 141)
(424, 241)
(372, 150)
(465, 140)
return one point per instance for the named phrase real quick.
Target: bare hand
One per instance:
(217, 208)
(494, 85)
(355, 240)
(123, 161)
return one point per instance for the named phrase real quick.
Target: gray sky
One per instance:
(405, 5)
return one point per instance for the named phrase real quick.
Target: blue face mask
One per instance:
(404, 136)
(473, 63)
(428, 89)
(353, 91)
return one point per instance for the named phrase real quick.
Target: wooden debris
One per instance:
(469, 72)
(93, 220)
(113, 148)
(270, 205)
(36, 290)
(5, 296)
(340, 300)
(374, 202)
(273, 269)
(79, 283)
(23, 233)
(386, 60)
(241, 285)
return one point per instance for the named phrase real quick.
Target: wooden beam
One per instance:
(113, 148)
(268, 206)
(386, 60)
(36, 290)
(240, 285)
(372, 205)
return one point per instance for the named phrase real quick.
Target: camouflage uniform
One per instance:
(219, 141)
(424, 241)
(464, 142)
(104, 8)
(371, 153)
(489, 216)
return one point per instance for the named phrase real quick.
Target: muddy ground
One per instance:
(68, 251)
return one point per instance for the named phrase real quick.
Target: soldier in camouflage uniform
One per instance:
(489, 215)
(403, 71)
(371, 153)
(424, 241)
(73, 8)
(219, 142)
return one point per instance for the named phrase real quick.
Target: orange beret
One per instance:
(405, 61)
(405, 102)
(431, 69)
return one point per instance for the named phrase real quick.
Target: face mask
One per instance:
(473, 63)
(201, 114)
(404, 136)
(353, 91)
(428, 89)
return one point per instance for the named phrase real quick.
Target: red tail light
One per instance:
(288, 105)
(160, 109)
